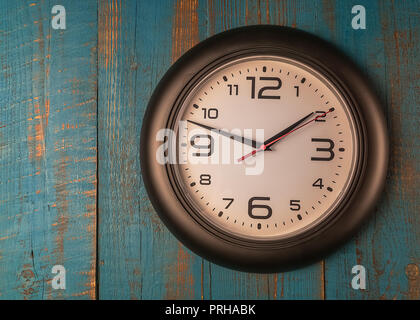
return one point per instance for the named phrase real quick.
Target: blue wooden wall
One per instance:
(71, 192)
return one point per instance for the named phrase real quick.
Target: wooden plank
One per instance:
(47, 150)
(388, 245)
(306, 283)
(184, 279)
(138, 257)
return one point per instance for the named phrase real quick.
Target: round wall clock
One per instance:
(263, 148)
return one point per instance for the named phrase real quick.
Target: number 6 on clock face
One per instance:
(323, 163)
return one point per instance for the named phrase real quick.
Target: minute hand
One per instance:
(232, 136)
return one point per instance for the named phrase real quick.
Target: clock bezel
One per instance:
(268, 255)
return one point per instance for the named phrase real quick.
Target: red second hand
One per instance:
(264, 146)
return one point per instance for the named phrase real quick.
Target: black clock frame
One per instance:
(266, 256)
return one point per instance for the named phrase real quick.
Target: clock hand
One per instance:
(282, 135)
(232, 136)
(274, 139)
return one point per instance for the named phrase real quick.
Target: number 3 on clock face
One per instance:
(314, 150)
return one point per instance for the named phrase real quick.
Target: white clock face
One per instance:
(303, 173)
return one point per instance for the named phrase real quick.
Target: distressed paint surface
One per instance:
(389, 245)
(48, 168)
(47, 150)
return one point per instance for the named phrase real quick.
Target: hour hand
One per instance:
(232, 136)
(276, 137)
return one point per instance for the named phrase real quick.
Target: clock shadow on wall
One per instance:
(322, 157)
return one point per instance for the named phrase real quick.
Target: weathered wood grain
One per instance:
(389, 244)
(50, 83)
(47, 150)
(138, 257)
